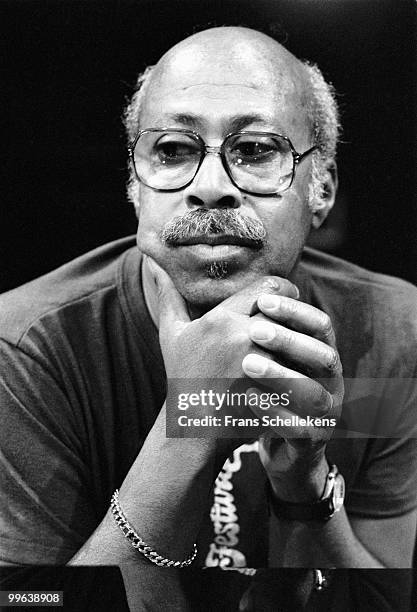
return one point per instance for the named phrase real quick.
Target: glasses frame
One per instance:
(220, 150)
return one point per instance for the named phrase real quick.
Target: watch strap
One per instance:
(321, 510)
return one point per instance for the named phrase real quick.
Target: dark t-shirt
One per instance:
(82, 380)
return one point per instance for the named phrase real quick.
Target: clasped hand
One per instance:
(266, 333)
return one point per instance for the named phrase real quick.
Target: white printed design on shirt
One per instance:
(223, 551)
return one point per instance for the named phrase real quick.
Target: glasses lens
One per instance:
(260, 163)
(166, 159)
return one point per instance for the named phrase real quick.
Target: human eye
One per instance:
(254, 150)
(175, 149)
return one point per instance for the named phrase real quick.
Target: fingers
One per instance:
(245, 301)
(311, 356)
(285, 424)
(171, 305)
(308, 397)
(299, 316)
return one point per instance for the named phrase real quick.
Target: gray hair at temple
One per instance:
(322, 112)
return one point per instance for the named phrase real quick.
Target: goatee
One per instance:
(217, 269)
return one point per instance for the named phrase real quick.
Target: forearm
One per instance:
(163, 496)
(330, 544)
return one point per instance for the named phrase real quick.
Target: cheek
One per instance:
(155, 211)
(288, 226)
(288, 219)
(147, 236)
(150, 222)
(151, 212)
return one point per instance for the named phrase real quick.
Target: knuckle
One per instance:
(323, 401)
(326, 326)
(286, 338)
(213, 317)
(332, 361)
(269, 284)
(291, 307)
(278, 286)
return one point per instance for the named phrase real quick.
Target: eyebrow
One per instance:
(234, 124)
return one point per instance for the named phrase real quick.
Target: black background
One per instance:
(70, 66)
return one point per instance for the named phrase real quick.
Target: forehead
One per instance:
(217, 87)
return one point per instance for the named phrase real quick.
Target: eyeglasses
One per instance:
(259, 163)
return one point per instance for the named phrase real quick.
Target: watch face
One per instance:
(338, 492)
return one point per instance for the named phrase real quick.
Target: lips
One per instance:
(217, 239)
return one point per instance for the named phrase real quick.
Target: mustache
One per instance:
(205, 221)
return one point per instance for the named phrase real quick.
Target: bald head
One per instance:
(219, 56)
(233, 46)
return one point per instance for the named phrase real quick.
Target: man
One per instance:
(232, 145)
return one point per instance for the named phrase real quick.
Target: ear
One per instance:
(323, 205)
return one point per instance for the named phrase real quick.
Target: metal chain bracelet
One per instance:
(137, 542)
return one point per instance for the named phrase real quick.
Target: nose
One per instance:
(212, 187)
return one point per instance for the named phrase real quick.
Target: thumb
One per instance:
(172, 307)
(245, 301)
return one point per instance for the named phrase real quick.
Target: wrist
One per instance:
(321, 510)
(301, 485)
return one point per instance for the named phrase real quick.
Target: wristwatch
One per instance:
(322, 510)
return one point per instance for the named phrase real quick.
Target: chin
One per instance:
(205, 293)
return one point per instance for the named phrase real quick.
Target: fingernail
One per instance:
(268, 301)
(254, 364)
(262, 331)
